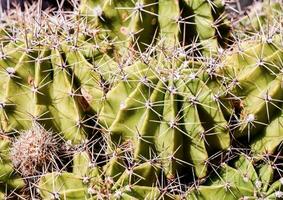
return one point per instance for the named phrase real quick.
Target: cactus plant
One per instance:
(9, 180)
(246, 179)
(136, 100)
(136, 24)
(263, 17)
(31, 72)
(90, 181)
(253, 71)
(166, 106)
(34, 150)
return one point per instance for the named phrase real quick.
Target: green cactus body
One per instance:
(260, 18)
(39, 85)
(158, 111)
(136, 99)
(244, 178)
(270, 138)
(62, 186)
(243, 181)
(124, 19)
(254, 74)
(8, 179)
(134, 23)
(93, 182)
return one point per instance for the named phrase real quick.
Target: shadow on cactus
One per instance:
(138, 23)
(38, 84)
(166, 107)
(9, 180)
(253, 72)
(136, 100)
(112, 181)
(244, 178)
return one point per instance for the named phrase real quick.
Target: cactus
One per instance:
(31, 72)
(137, 100)
(246, 179)
(137, 24)
(34, 150)
(263, 17)
(9, 180)
(112, 181)
(254, 77)
(166, 107)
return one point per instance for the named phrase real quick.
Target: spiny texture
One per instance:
(143, 108)
(9, 181)
(245, 178)
(242, 176)
(38, 84)
(137, 23)
(34, 150)
(262, 18)
(112, 181)
(170, 107)
(254, 77)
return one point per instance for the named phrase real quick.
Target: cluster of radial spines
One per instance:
(167, 70)
(27, 42)
(102, 186)
(34, 151)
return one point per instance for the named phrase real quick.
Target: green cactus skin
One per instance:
(62, 186)
(76, 189)
(139, 22)
(254, 74)
(38, 84)
(270, 138)
(8, 179)
(88, 181)
(164, 112)
(170, 111)
(246, 180)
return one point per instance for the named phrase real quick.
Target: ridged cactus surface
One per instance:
(245, 178)
(38, 84)
(141, 100)
(8, 178)
(137, 24)
(262, 17)
(254, 78)
(112, 181)
(167, 108)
